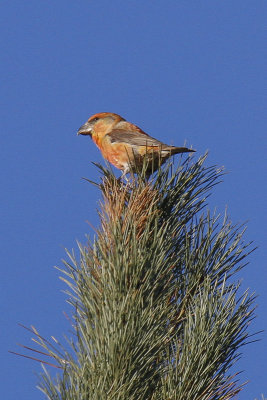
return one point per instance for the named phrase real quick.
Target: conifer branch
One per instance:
(157, 309)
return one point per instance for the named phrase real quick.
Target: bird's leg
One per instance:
(123, 178)
(129, 183)
(126, 170)
(123, 175)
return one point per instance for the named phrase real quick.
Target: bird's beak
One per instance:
(85, 129)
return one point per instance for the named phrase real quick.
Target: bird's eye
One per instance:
(95, 119)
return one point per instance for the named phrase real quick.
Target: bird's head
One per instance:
(104, 121)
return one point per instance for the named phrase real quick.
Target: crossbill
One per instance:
(125, 145)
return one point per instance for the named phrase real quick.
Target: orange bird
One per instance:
(125, 145)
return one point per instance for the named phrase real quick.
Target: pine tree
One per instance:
(158, 312)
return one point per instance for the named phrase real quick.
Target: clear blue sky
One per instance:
(181, 70)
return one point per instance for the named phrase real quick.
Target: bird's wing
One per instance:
(133, 138)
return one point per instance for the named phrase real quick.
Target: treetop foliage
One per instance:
(157, 309)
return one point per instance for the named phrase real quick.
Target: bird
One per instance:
(125, 145)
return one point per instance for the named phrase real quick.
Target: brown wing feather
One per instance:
(143, 139)
(133, 138)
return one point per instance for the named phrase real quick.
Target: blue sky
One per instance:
(181, 70)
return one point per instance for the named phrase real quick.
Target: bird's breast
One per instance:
(116, 153)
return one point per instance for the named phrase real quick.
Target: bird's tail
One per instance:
(176, 150)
